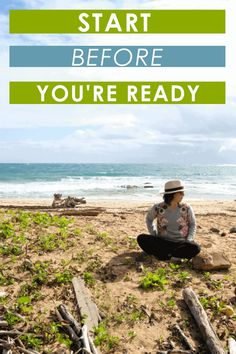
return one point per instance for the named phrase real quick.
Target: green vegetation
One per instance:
(214, 303)
(6, 230)
(156, 280)
(63, 277)
(31, 340)
(89, 278)
(12, 318)
(103, 338)
(41, 253)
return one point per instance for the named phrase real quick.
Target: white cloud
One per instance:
(140, 132)
(229, 145)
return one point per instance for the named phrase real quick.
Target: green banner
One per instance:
(117, 21)
(117, 92)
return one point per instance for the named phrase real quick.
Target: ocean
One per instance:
(115, 181)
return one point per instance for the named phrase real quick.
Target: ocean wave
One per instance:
(115, 187)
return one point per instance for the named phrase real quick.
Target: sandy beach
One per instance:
(102, 250)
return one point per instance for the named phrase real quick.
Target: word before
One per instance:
(121, 57)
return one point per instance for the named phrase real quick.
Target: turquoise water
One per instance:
(114, 180)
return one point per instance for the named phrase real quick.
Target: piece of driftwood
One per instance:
(10, 333)
(79, 335)
(87, 307)
(183, 337)
(210, 337)
(68, 202)
(26, 351)
(8, 346)
(92, 346)
(232, 346)
(66, 315)
(71, 332)
(85, 339)
(83, 212)
(32, 207)
(3, 324)
(175, 351)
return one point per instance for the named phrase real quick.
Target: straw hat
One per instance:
(173, 187)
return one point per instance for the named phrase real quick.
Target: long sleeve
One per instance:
(192, 224)
(151, 216)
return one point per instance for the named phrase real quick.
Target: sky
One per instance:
(189, 134)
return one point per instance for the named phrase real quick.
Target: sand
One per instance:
(105, 247)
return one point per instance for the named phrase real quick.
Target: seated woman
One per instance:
(175, 228)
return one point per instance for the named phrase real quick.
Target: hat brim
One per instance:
(174, 191)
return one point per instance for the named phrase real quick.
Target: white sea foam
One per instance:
(117, 187)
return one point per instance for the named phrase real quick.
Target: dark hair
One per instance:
(168, 198)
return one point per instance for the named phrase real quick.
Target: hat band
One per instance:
(174, 189)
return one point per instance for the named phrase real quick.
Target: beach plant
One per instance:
(184, 277)
(24, 304)
(131, 334)
(11, 250)
(29, 289)
(94, 265)
(213, 303)
(156, 280)
(77, 231)
(41, 218)
(174, 266)
(171, 303)
(80, 257)
(103, 338)
(6, 230)
(104, 237)
(136, 315)
(19, 239)
(48, 242)
(132, 242)
(131, 299)
(63, 277)
(61, 222)
(24, 219)
(5, 279)
(31, 340)
(12, 318)
(41, 273)
(90, 229)
(119, 317)
(212, 283)
(63, 233)
(49, 332)
(89, 278)
(53, 332)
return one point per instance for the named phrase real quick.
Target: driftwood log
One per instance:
(232, 346)
(183, 337)
(210, 337)
(83, 212)
(87, 307)
(67, 320)
(66, 315)
(3, 324)
(68, 202)
(174, 351)
(9, 347)
(77, 333)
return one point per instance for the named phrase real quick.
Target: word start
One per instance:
(132, 23)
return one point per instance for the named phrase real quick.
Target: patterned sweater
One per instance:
(174, 224)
